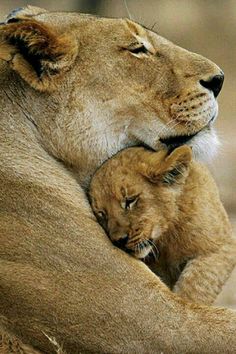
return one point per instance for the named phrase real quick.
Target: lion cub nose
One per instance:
(121, 242)
(214, 83)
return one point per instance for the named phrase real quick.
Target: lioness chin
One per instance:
(74, 90)
(167, 205)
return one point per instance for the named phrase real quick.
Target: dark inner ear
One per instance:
(35, 59)
(35, 43)
(38, 51)
(174, 175)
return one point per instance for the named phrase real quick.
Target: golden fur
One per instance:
(74, 91)
(168, 206)
(11, 345)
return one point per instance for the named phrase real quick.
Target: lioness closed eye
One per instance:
(168, 205)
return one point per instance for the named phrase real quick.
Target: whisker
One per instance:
(154, 247)
(153, 26)
(127, 9)
(154, 254)
(169, 126)
(137, 247)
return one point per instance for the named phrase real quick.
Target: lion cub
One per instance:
(166, 205)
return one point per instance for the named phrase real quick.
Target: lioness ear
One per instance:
(169, 169)
(22, 12)
(37, 52)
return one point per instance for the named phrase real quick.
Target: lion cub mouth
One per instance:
(143, 250)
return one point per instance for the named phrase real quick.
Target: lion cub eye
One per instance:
(129, 203)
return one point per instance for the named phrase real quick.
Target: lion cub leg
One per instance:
(203, 277)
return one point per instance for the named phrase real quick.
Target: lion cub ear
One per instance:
(169, 169)
(37, 52)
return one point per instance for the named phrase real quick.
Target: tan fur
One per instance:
(11, 345)
(169, 207)
(61, 279)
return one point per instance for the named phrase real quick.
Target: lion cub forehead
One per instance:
(117, 172)
(124, 162)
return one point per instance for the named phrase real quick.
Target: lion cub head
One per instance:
(134, 195)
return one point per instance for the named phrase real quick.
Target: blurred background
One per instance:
(207, 27)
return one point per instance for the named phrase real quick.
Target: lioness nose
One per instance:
(121, 242)
(214, 83)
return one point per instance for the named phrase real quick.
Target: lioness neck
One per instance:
(49, 123)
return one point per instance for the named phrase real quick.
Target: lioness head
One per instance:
(134, 195)
(96, 85)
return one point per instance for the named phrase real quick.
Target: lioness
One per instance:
(168, 205)
(76, 89)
